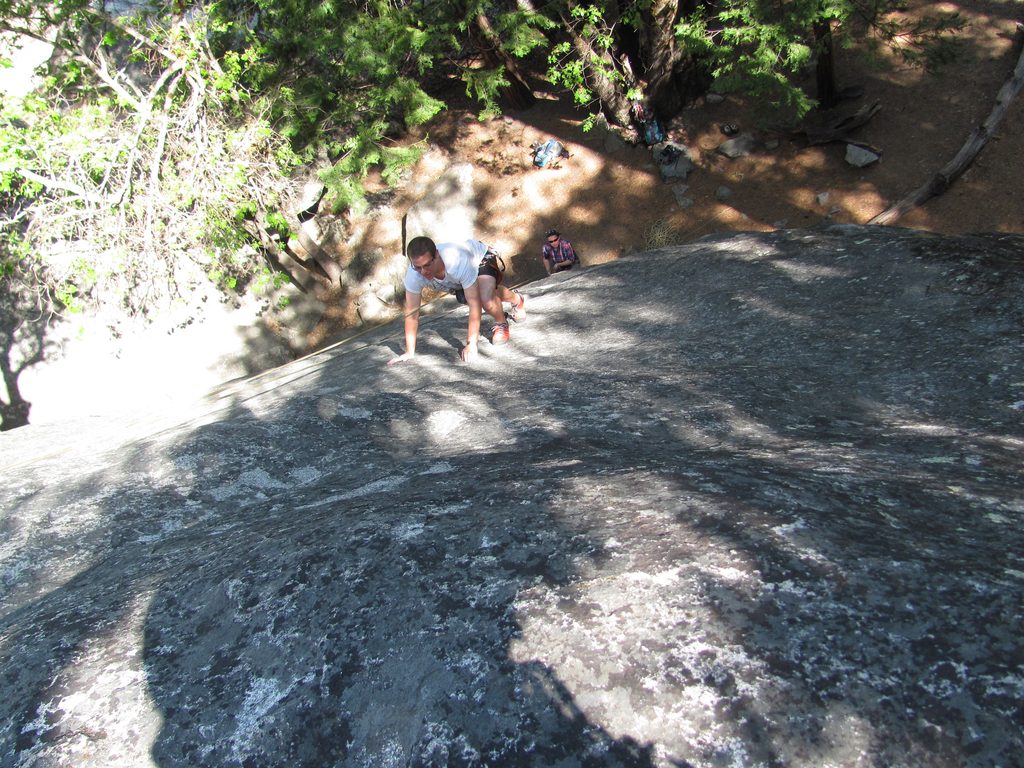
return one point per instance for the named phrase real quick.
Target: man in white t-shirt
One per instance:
(456, 267)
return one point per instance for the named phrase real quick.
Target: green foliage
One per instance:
(13, 249)
(234, 271)
(26, 128)
(267, 281)
(484, 85)
(522, 31)
(67, 297)
(330, 63)
(602, 62)
(277, 224)
(569, 73)
(362, 152)
(756, 48)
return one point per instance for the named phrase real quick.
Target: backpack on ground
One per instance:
(549, 153)
(650, 128)
(653, 132)
(668, 155)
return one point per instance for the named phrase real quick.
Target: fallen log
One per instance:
(977, 139)
(319, 261)
(838, 128)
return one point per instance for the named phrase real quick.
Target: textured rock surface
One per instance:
(755, 501)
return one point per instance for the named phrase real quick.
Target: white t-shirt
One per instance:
(461, 263)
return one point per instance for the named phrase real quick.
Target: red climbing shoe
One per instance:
(499, 333)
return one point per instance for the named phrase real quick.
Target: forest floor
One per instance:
(610, 200)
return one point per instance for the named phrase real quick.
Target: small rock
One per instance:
(739, 146)
(714, 98)
(821, 198)
(859, 156)
(679, 168)
(723, 193)
(372, 309)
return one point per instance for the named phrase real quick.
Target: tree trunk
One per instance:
(13, 414)
(517, 94)
(674, 77)
(658, 44)
(825, 71)
(614, 103)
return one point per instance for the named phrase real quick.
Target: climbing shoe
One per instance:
(518, 313)
(499, 333)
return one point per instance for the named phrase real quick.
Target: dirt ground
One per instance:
(609, 200)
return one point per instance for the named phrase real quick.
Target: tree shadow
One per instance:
(698, 555)
(336, 623)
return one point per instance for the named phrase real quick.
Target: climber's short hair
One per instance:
(420, 246)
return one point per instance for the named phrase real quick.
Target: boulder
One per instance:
(764, 511)
(860, 156)
(25, 55)
(675, 161)
(309, 196)
(738, 146)
(447, 211)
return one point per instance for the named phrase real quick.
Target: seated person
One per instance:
(558, 253)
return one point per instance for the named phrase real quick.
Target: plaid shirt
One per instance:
(561, 251)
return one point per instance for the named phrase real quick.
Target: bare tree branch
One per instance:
(49, 183)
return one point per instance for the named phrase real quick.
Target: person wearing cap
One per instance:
(557, 252)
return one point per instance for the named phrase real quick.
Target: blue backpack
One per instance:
(549, 153)
(653, 133)
(652, 130)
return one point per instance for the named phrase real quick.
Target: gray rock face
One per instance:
(447, 210)
(753, 501)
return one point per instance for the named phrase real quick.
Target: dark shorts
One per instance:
(491, 265)
(489, 268)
